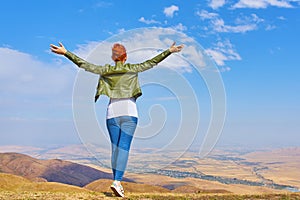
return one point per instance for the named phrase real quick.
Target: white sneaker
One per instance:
(117, 188)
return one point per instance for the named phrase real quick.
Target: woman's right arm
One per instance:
(61, 50)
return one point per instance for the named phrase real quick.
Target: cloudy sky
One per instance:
(254, 44)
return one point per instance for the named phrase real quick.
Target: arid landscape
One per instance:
(70, 173)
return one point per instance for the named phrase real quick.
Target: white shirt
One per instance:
(121, 107)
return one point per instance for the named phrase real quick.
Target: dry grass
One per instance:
(103, 186)
(212, 197)
(43, 195)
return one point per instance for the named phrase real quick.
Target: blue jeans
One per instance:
(121, 130)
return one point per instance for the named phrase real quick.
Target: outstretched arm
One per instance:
(58, 49)
(157, 59)
(61, 50)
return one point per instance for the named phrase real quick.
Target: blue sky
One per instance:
(254, 43)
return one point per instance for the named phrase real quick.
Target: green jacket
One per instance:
(119, 80)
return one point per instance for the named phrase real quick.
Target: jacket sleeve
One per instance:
(96, 69)
(150, 63)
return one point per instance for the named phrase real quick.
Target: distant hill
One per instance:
(50, 170)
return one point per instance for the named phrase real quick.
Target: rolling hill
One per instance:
(14, 187)
(54, 170)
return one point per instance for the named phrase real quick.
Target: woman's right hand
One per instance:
(58, 49)
(175, 49)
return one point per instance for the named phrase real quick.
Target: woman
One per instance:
(120, 83)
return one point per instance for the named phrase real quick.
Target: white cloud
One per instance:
(281, 18)
(169, 11)
(263, 4)
(21, 73)
(223, 51)
(270, 27)
(253, 18)
(203, 14)
(251, 4)
(215, 4)
(194, 55)
(151, 21)
(180, 27)
(103, 4)
(83, 50)
(37, 96)
(218, 56)
(241, 25)
(220, 26)
(95, 6)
